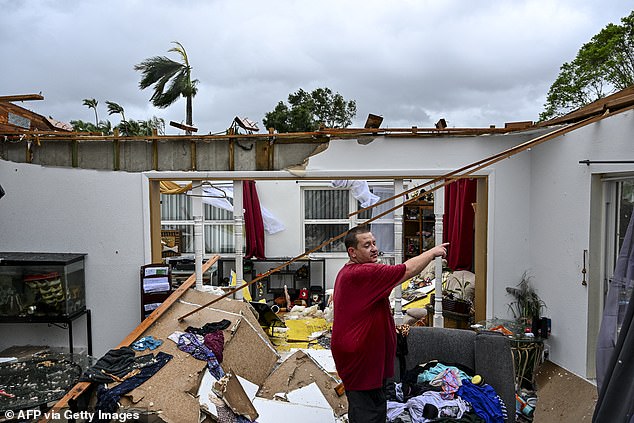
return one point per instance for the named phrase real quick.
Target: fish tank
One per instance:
(41, 284)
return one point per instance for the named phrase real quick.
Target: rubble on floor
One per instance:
(255, 381)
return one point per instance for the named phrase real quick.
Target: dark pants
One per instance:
(367, 406)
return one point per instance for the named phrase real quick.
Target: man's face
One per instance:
(365, 251)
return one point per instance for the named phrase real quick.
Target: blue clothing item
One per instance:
(430, 374)
(146, 342)
(108, 399)
(484, 400)
(192, 344)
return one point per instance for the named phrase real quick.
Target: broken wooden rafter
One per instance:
(470, 169)
(21, 97)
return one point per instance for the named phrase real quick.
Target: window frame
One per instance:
(351, 221)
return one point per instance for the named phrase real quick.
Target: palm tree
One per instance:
(114, 108)
(91, 103)
(159, 70)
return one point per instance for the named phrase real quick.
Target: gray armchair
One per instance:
(488, 354)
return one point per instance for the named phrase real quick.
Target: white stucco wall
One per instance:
(78, 211)
(560, 227)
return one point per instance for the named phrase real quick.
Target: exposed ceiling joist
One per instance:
(21, 97)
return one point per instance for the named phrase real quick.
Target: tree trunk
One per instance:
(189, 113)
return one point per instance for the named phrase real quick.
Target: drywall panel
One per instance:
(99, 213)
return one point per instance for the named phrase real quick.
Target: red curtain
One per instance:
(458, 223)
(253, 224)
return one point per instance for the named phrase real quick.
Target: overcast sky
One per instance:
(474, 63)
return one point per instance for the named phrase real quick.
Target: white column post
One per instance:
(398, 251)
(197, 209)
(439, 210)
(238, 236)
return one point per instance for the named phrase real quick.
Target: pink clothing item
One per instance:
(363, 339)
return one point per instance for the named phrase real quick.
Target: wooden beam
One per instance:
(80, 387)
(21, 97)
(155, 220)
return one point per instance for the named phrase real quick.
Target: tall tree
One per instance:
(159, 70)
(308, 111)
(115, 108)
(602, 66)
(91, 103)
(126, 128)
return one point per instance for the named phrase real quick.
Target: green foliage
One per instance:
(308, 111)
(526, 302)
(127, 128)
(104, 127)
(115, 108)
(602, 66)
(161, 70)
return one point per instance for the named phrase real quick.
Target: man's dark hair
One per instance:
(351, 237)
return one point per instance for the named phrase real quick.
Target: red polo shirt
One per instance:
(363, 339)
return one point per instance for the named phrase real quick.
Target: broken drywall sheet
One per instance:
(322, 357)
(300, 370)
(235, 397)
(308, 395)
(205, 394)
(170, 392)
(272, 411)
(249, 355)
(300, 168)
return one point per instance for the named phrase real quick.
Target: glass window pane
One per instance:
(326, 204)
(316, 234)
(216, 213)
(382, 192)
(176, 207)
(626, 204)
(219, 239)
(384, 235)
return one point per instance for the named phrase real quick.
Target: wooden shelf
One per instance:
(418, 219)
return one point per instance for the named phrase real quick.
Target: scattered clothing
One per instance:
(209, 327)
(117, 362)
(453, 408)
(108, 399)
(449, 381)
(191, 343)
(215, 341)
(147, 342)
(485, 401)
(425, 407)
(429, 375)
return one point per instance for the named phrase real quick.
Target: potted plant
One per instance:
(526, 305)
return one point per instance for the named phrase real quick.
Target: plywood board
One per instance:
(169, 391)
(249, 355)
(235, 396)
(300, 370)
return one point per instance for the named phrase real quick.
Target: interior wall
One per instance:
(561, 225)
(99, 213)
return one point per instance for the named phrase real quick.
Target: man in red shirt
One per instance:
(363, 339)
